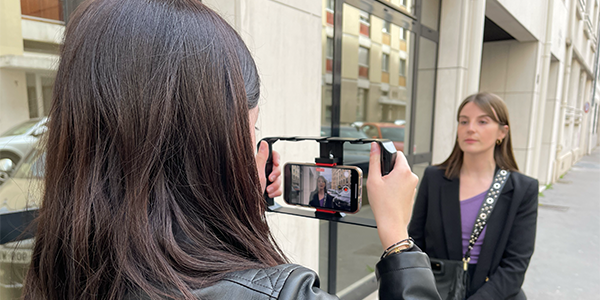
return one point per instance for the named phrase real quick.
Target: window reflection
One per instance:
(47, 9)
(407, 5)
(376, 85)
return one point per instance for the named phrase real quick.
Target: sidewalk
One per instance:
(566, 262)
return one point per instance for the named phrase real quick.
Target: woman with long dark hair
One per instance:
(152, 187)
(465, 209)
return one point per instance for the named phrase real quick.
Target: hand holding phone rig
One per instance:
(331, 154)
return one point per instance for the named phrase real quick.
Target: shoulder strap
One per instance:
(486, 208)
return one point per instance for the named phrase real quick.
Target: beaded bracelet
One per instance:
(395, 248)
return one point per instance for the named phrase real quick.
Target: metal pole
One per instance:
(336, 89)
(332, 258)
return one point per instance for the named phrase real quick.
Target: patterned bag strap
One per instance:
(486, 210)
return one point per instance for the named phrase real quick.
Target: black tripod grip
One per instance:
(388, 156)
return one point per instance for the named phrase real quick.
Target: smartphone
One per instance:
(336, 188)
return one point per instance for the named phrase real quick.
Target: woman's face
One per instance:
(321, 183)
(253, 115)
(478, 132)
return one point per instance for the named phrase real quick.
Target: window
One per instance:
(365, 24)
(361, 104)
(39, 94)
(402, 67)
(385, 62)
(363, 62)
(47, 9)
(329, 55)
(386, 27)
(402, 34)
(329, 9)
(330, 4)
(385, 32)
(402, 72)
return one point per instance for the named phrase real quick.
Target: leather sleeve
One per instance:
(303, 284)
(416, 228)
(407, 276)
(404, 275)
(507, 280)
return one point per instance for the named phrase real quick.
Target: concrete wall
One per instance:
(510, 69)
(285, 39)
(524, 20)
(11, 42)
(458, 68)
(14, 108)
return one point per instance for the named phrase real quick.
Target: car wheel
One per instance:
(5, 175)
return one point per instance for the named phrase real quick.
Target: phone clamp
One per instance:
(331, 153)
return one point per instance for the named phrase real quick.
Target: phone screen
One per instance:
(331, 188)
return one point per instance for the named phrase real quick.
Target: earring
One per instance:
(498, 141)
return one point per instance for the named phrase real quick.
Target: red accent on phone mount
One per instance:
(326, 211)
(326, 165)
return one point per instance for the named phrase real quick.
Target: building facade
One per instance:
(30, 35)
(355, 65)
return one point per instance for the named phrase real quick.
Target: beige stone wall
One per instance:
(11, 42)
(13, 98)
(510, 69)
(285, 38)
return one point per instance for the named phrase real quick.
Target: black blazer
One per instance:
(314, 202)
(509, 239)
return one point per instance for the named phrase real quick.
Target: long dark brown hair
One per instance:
(503, 153)
(151, 184)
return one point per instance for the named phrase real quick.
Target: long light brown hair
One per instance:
(151, 184)
(503, 153)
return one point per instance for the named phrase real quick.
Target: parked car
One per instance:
(19, 199)
(382, 130)
(16, 142)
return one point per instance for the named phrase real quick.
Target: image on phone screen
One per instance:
(332, 188)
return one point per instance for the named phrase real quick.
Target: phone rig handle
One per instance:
(331, 152)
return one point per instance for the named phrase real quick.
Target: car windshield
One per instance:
(33, 166)
(20, 129)
(393, 133)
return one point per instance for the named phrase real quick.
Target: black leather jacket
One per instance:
(401, 276)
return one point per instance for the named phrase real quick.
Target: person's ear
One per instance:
(503, 132)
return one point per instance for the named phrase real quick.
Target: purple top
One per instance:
(469, 208)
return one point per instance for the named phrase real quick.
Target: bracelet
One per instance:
(400, 246)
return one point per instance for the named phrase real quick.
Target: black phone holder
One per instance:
(331, 153)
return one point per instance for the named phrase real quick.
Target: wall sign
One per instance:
(586, 107)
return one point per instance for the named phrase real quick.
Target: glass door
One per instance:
(378, 81)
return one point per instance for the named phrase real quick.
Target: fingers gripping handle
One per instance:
(268, 170)
(388, 156)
